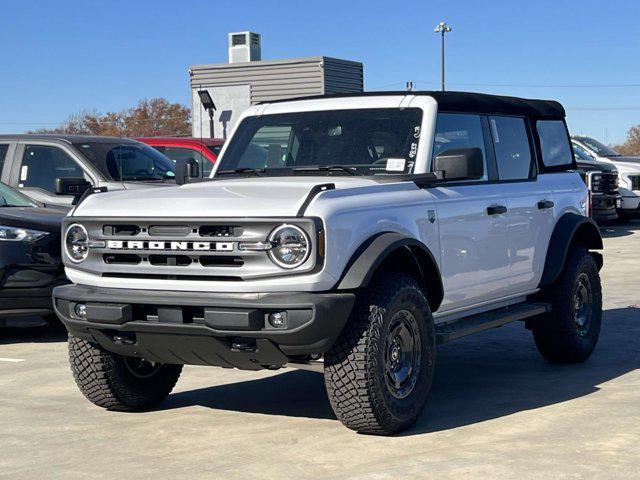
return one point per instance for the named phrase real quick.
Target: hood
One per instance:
(595, 166)
(45, 219)
(626, 159)
(244, 197)
(626, 168)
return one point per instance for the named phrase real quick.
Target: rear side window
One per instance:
(3, 154)
(512, 147)
(554, 143)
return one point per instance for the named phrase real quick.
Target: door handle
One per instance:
(496, 209)
(545, 204)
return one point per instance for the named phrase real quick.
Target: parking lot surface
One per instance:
(496, 410)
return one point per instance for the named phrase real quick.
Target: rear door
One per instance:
(474, 252)
(530, 200)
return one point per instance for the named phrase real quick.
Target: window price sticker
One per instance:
(395, 164)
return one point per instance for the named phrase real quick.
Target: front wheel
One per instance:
(379, 371)
(116, 382)
(570, 331)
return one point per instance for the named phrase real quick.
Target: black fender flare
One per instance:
(570, 229)
(372, 253)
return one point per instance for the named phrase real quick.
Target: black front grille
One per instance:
(635, 182)
(604, 182)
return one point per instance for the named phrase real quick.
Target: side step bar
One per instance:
(447, 331)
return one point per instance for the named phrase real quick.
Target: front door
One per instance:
(37, 169)
(474, 245)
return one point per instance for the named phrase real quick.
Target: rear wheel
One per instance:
(379, 371)
(116, 382)
(569, 332)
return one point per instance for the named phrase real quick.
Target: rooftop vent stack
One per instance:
(244, 47)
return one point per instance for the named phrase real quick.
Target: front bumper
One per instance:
(630, 204)
(28, 274)
(605, 207)
(19, 302)
(199, 328)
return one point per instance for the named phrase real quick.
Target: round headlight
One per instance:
(291, 246)
(76, 242)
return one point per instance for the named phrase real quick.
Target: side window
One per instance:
(581, 153)
(41, 165)
(512, 147)
(459, 130)
(554, 143)
(3, 154)
(178, 153)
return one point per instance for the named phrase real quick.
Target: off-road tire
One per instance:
(557, 334)
(354, 371)
(108, 382)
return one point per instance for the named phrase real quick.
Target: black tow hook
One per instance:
(123, 340)
(243, 346)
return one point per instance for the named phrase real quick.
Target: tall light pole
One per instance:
(442, 28)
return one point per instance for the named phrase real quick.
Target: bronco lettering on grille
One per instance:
(165, 245)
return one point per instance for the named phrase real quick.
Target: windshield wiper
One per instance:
(143, 179)
(251, 171)
(325, 168)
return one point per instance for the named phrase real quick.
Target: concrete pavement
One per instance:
(496, 410)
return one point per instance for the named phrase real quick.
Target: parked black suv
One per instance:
(30, 264)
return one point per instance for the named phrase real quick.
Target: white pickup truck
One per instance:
(350, 234)
(628, 167)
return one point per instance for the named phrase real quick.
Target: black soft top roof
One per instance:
(470, 102)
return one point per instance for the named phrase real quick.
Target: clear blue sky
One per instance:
(59, 57)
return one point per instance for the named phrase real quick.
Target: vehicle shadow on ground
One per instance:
(620, 229)
(38, 333)
(479, 378)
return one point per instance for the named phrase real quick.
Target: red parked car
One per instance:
(205, 151)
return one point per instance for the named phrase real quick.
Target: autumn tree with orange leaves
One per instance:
(150, 118)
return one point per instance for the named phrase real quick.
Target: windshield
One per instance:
(10, 198)
(128, 161)
(600, 148)
(343, 142)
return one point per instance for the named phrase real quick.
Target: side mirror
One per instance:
(460, 164)
(72, 186)
(186, 168)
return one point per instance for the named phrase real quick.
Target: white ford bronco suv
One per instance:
(351, 234)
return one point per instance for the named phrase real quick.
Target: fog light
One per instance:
(80, 310)
(278, 319)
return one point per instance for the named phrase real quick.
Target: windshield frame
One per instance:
(101, 166)
(427, 104)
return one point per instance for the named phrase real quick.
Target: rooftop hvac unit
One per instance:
(244, 47)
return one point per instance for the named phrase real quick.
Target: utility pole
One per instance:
(442, 28)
